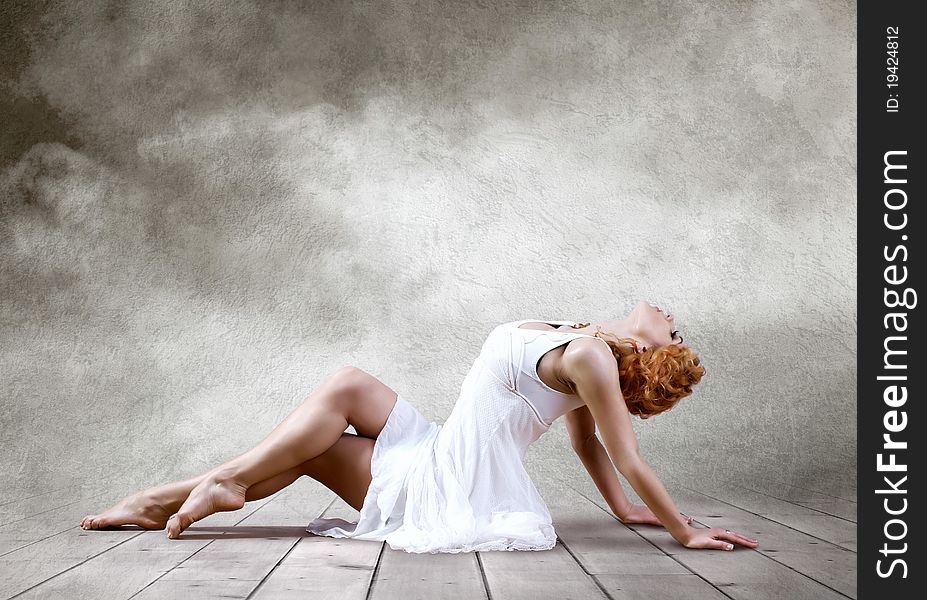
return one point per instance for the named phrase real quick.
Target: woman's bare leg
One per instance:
(349, 397)
(344, 468)
(151, 508)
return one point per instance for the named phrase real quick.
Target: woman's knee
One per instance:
(350, 379)
(347, 384)
(363, 400)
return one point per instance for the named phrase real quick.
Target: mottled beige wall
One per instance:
(207, 208)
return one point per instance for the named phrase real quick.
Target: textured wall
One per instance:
(209, 207)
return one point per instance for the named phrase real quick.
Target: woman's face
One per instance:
(653, 326)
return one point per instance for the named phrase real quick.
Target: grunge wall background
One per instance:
(208, 208)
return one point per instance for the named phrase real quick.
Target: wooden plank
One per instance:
(744, 574)
(822, 561)
(830, 505)
(603, 544)
(322, 567)
(246, 552)
(803, 486)
(425, 576)
(836, 507)
(788, 563)
(624, 564)
(55, 515)
(137, 556)
(824, 527)
(13, 512)
(659, 587)
(551, 573)
(198, 590)
(13, 497)
(53, 522)
(30, 565)
(531, 575)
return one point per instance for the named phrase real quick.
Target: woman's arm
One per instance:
(581, 428)
(600, 468)
(603, 475)
(591, 369)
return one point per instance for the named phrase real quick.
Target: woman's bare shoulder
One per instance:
(588, 356)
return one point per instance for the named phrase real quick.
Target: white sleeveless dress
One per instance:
(462, 486)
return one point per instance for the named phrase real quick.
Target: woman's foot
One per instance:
(215, 493)
(139, 509)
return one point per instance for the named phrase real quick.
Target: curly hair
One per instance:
(653, 380)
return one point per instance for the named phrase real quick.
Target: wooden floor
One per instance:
(807, 550)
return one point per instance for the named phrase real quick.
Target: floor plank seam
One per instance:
(81, 498)
(4, 503)
(834, 544)
(195, 552)
(479, 562)
(158, 578)
(72, 567)
(376, 571)
(799, 504)
(637, 533)
(42, 512)
(777, 561)
(49, 536)
(272, 569)
(798, 487)
(805, 575)
(79, 490)
(595, 579)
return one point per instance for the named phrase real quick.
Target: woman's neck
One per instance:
(615, 327)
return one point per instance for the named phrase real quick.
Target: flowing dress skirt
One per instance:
(456, 487)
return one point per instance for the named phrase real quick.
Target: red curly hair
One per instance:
(654, 380)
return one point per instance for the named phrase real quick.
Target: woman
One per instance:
(461, 486)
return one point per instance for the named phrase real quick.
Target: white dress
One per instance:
(462, 486)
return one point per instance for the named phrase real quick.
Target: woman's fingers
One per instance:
(718, 539)
(719, 545)
(742, 539)
(737, 538)
(747, 541)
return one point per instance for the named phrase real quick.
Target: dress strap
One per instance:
(545, 321)
(516, 325)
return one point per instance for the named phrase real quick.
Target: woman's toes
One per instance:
(173, 527)
(178, 523)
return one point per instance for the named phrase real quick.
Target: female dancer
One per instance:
(461, 486)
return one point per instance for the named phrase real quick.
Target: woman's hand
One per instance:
(642, 515)
(717, 539)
